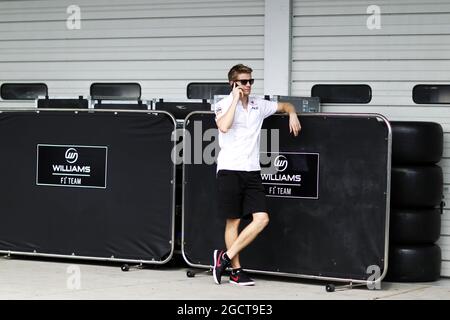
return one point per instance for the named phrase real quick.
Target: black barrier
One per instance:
(63, 103)
(328, 197)
(342, 93)
(207, 90)
(181, 109)
(87, 184)
(23, 91)
(115, 91)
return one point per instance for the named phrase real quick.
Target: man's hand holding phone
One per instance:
(237, 91)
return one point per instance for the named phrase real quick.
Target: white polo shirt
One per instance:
(239, 147)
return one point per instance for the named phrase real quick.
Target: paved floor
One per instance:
(32, 279)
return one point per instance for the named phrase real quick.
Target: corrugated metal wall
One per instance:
(332, 44)
(162, 44)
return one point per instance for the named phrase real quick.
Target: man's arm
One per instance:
(285, 107)
(225, 121)
(294, 124)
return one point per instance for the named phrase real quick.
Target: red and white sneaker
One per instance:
(241, 278)
(220, 265)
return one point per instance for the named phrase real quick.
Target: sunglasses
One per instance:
(244, 82)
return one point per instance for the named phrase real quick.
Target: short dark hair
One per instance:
(237, 69)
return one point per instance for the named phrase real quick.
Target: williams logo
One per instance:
(292, 175)
(280, 163)
(71, 166)
(71, 155)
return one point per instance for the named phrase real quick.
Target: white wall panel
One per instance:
(161, 44)
(332, 44)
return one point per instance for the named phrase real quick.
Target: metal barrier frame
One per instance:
(377, 281)
(173, 182)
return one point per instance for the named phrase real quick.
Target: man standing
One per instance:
(241, 194)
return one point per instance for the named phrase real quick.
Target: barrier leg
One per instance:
(125, 267)
(331, 287)
(192, 273)
(6, 256)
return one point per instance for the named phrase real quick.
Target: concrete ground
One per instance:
(34, 279)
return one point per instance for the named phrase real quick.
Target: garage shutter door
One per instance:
(332, 44)
(162, 44)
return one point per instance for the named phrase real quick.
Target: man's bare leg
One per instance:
(231, 234)
(260, 221)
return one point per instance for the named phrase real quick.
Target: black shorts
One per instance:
(240, 194)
